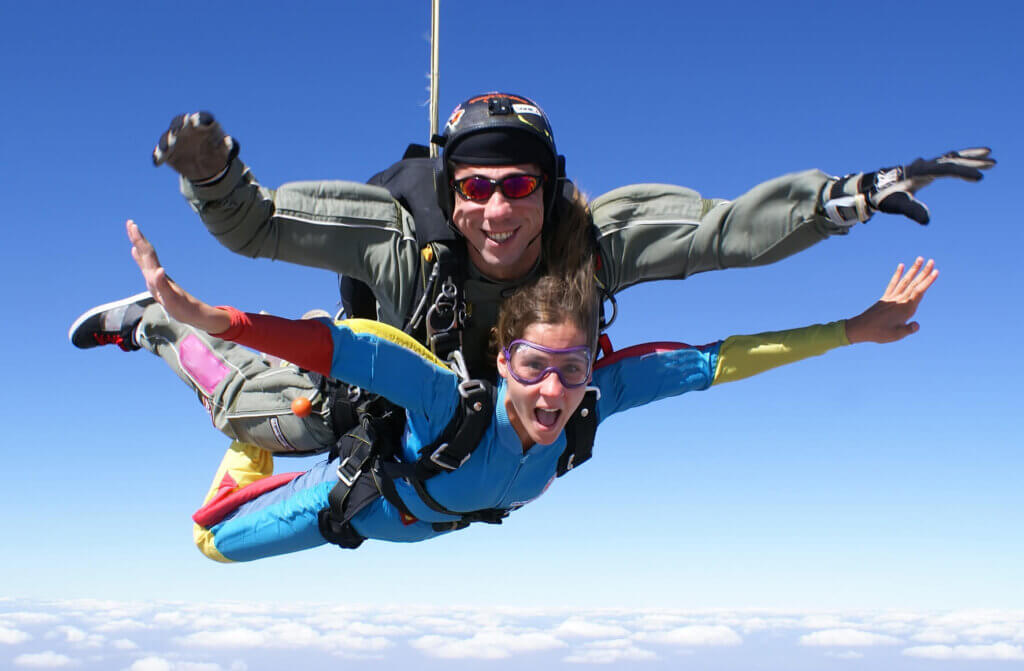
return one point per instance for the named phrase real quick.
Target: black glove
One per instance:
(856, 197)
(196, 147)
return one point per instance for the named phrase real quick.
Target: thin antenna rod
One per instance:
(435, 85)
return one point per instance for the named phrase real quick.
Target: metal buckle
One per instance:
(470, 387)
(458, 364)
(438, 320)
(445, 303)
(349, 480)
(439, 454)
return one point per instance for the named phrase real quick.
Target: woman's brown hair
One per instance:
(566, 291)
(551, 299)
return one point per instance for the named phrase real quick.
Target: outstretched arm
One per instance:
(646, 373)
(651, 231)
(178, 303)
(354, 229)
(307, 343)
(368, 354)
(887, 320)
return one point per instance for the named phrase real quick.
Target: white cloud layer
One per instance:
(13, 636)
(577, 627)
(609, 652)
(1002, 651)
(848, 638)
(43, 660)
(694, 635)
(490, 644)
(154, 663)
(222, 637)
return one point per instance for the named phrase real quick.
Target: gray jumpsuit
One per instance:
(644, 231)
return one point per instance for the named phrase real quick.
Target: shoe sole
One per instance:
(88, 314)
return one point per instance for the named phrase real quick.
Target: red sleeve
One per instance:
(307, 343)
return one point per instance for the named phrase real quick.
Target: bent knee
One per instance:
(205, 541)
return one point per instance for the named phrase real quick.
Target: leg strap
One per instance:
(355, 490)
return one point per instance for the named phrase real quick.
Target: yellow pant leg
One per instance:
(242, 465)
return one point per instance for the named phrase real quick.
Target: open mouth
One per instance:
(546, 418)
(499, 238)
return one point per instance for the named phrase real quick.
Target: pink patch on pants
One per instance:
(201, 364)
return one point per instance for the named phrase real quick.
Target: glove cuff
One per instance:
(845, 202)
(232, 154)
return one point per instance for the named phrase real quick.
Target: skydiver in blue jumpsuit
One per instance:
(546, 335)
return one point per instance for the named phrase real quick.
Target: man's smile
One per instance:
(499, 237)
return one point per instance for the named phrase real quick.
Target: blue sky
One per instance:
(877, 477)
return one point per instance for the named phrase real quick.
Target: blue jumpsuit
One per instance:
(257, 515)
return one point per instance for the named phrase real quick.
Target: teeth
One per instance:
(499, 237)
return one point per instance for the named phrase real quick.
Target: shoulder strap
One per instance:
(579, 434)
(439, 313)
(451, 450)
(411, 183)
(458, 440)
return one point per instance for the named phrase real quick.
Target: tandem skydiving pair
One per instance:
(500, 219)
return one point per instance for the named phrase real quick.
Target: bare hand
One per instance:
(887, 320)
(178, 303)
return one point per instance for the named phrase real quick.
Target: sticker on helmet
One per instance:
(526, 109)
(456, 116)
(528, 122)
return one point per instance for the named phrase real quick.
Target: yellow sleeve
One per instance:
(744, 356)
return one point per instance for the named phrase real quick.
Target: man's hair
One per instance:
(551, 299)
(567, 239)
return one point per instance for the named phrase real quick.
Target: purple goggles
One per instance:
(529, 363)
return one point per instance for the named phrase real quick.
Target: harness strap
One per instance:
(388, 491)
(488, 516)
(458, 440)
(462, 436)
(450, 451)
(343, 400)
(579, 434)
(354, 491)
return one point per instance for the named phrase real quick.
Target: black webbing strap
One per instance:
(579, 434)
(354, 490)
(386, 486)
(489, 515)
(450, 451)
(343, 400)
(447, 454)
(457, 441)
(389, 492)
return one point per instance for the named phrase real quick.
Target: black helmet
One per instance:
(499, 129)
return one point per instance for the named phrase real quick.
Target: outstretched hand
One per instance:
(196, 147)
(892, 190)
(888, 319)
(178, 303)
